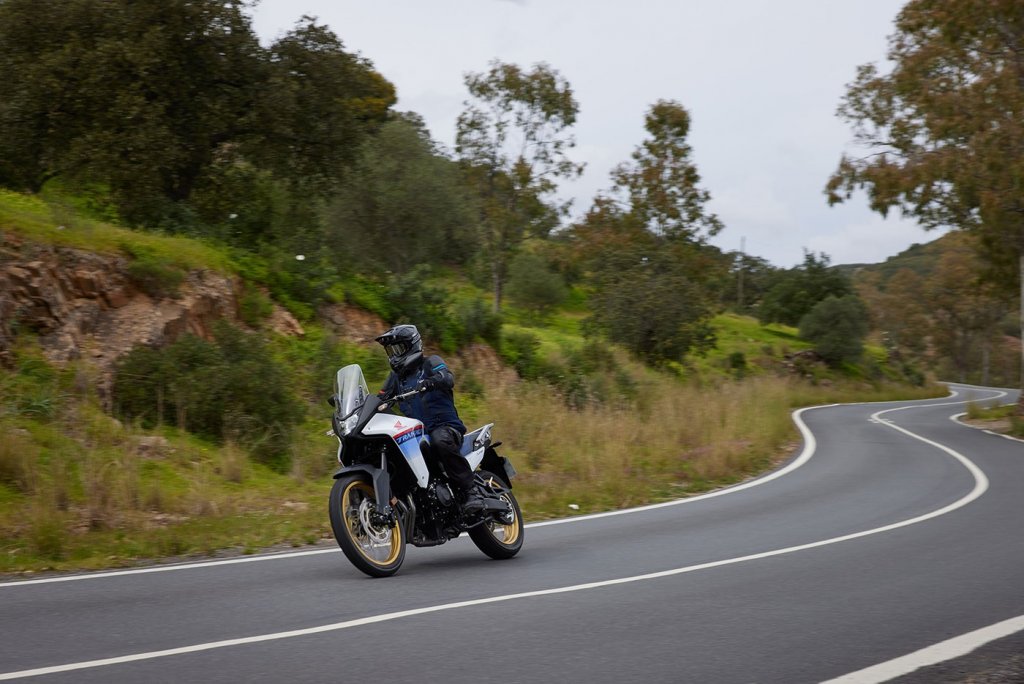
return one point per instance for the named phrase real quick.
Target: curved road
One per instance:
(894, 531)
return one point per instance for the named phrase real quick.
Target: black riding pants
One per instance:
(447, 442)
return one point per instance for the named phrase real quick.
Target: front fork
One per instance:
(384, 512)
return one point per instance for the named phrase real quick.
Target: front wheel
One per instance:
(376, 549)
(499, 539)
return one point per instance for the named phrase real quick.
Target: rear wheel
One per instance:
(376, 549)
(499, 539)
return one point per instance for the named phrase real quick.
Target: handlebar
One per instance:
(399, 397)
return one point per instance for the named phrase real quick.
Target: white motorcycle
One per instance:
(388, 492)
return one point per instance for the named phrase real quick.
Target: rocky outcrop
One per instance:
(83, 304)
(352, 323)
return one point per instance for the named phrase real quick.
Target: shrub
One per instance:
(533, 284)
(519, 350)
(228, 388)
(254, 307)
(151, 273)
(479, 321)
(413, 300)
(837, 327)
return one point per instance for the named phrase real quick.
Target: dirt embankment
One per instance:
(83, 304)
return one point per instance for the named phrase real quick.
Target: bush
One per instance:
(230, 388)
(479, 321)
(519, 350)
(254, 307)
(413, 300)
(151, 273)
(837, 327)
(653, 307)
(532, 283)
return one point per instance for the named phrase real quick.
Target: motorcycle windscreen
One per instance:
(349, 389)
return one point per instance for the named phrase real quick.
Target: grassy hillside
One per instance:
(588, 426)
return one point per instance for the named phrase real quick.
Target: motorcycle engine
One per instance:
(443, 494)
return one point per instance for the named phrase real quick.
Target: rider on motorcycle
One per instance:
(434, 406)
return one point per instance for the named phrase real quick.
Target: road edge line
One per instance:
(941, 652)
(980, 487)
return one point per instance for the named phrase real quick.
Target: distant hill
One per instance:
(919, 258)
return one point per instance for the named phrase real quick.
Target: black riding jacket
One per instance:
(435, 407)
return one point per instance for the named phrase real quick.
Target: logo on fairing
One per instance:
(411, 433)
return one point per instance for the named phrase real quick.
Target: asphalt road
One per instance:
(889, 533)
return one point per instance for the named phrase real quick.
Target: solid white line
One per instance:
(980, 486)
(805, 455)
(931, 655)
(167, 568)
(957, 417)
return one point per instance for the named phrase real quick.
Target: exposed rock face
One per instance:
(352, 323)
(82, 304)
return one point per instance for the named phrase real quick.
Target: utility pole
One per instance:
(743, 261)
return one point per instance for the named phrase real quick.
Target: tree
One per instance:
(965, 312)
(318, 105)
(512, 140)
(750, 277)
(644, 247)
(649, 302)
(899, 316)
(154, 99)
(946, 126)
(660, 184)
(836, 326)
(137, 95)
(797, 290)
(401, 204)
(533, 284)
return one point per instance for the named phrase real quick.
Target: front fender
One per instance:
(381, 482)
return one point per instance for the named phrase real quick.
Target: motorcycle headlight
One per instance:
(350, 424)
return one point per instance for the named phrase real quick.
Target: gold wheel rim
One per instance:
(355, 500)
(506, 534)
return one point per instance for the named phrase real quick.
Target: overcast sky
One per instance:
(761, 81)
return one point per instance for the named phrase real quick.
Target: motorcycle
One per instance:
(387, 493)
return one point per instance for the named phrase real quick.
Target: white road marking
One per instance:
(980, 486)
(931, 655)
(168, 568)
(956, 419)
(805, 455)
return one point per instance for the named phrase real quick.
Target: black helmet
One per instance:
(403, 346)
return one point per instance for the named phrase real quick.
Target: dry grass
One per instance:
(680, 439)
(18, 455)
(81, 490)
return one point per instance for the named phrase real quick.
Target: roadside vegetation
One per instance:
(623, 357)
(997, 418)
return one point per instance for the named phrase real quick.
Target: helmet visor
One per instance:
(396, 350)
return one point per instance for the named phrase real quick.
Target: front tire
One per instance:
(375, 549)
(497, 539)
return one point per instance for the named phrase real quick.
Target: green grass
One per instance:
(763, 346)
(78, 490)
(55, 224)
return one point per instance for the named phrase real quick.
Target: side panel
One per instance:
(407, 434)
(475, 457)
